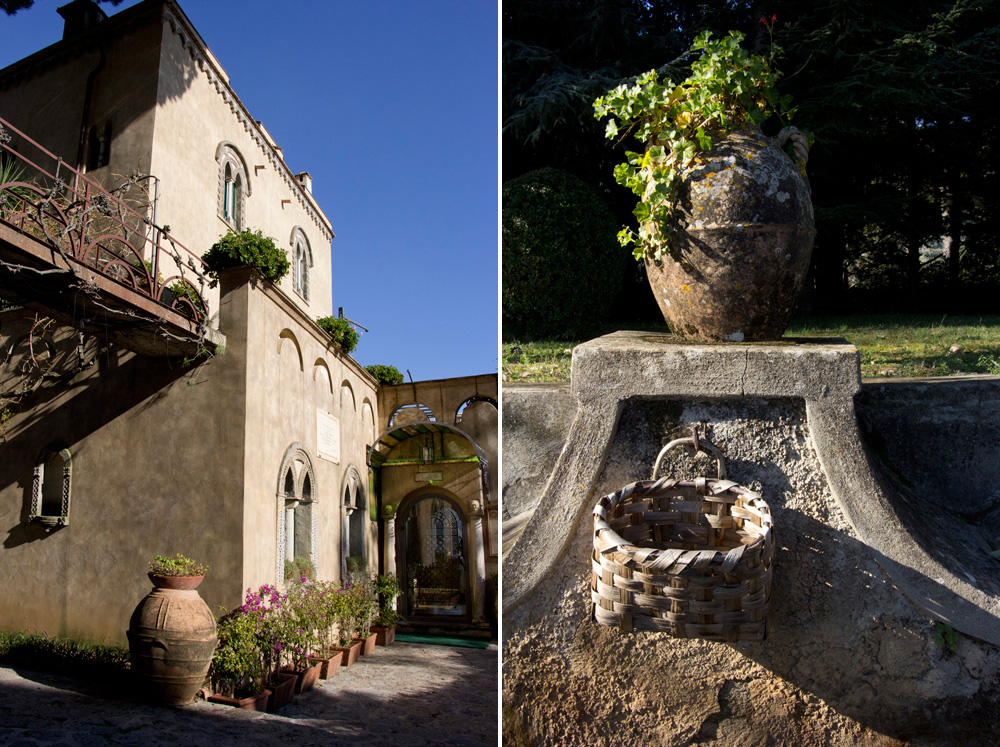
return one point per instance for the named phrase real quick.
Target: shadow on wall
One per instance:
(74, 410)
(840, 630)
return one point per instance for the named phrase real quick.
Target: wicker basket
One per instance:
(693, 559)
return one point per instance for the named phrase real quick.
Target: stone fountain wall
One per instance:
(849, 659)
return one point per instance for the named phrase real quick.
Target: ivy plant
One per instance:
(341, 331)
(385, 374)
(728, 89)
(246, 248)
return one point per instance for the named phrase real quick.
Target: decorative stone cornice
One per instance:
(192, 43)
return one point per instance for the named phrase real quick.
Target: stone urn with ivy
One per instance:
(725, 215)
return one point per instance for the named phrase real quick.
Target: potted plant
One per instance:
(342, 332)
(303, 615)
(384, 625)
(725, 215)
(299, 569)
(172, 632)
(177, 572)
(267, 606)
(346, 612)
(246, 248)
(237, 671)
(366, 607)
(326, 619)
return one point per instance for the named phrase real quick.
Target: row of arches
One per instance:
(417, 412)
(321, 372)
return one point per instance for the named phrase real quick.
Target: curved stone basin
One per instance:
(912, 465)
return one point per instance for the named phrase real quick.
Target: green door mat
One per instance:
(441, 640)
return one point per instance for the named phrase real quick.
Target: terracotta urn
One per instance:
(742, 243)
(172, 637)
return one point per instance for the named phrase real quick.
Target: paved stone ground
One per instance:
(409, 694)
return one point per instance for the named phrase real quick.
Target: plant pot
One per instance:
(349, 654)
(384, 636)
(329, 665)
(741, 246)
(367, 643)
(305, 680)
(282, 689)
(175, 582)
(172, 637)
(252, 703)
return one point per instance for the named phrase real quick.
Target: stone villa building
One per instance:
(127, 440)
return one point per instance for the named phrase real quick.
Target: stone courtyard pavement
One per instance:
(410, 694)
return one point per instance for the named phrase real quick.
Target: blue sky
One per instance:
(392, 107)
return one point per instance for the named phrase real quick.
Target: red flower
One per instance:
(763, 20)
(774, 18)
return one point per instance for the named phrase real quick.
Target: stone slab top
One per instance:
(656, 364)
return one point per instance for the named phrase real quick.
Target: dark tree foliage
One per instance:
(561, 262)
(900, 99)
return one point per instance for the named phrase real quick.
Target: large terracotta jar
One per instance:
(172, 637)
(742, 246)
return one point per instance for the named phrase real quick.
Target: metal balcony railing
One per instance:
(108, 230)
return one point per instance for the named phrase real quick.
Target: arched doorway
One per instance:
(431, 558)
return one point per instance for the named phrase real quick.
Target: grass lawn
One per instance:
(889, 345)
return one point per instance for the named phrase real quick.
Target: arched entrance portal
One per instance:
(431, 559)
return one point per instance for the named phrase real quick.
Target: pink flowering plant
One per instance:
(306, 616)
(238, 667)
(267, 607)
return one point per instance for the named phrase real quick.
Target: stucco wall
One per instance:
(157, 469)
(195, 112)
(292, 372)
(170, 107)
(44, 95)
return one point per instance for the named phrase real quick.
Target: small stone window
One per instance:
(234, 185)
(301, 262)
(98, 147)
(51, 488)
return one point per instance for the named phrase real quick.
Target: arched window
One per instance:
(50, 487)
(296, 509)
(354, 527)
(301, 262)
(234, 185)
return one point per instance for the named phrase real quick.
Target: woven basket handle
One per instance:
(702, 444)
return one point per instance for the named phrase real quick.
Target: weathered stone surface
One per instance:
(742, 248)
(864, 566)
(535, 426)
(848, 660)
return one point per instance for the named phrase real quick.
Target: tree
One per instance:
(899, 99)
